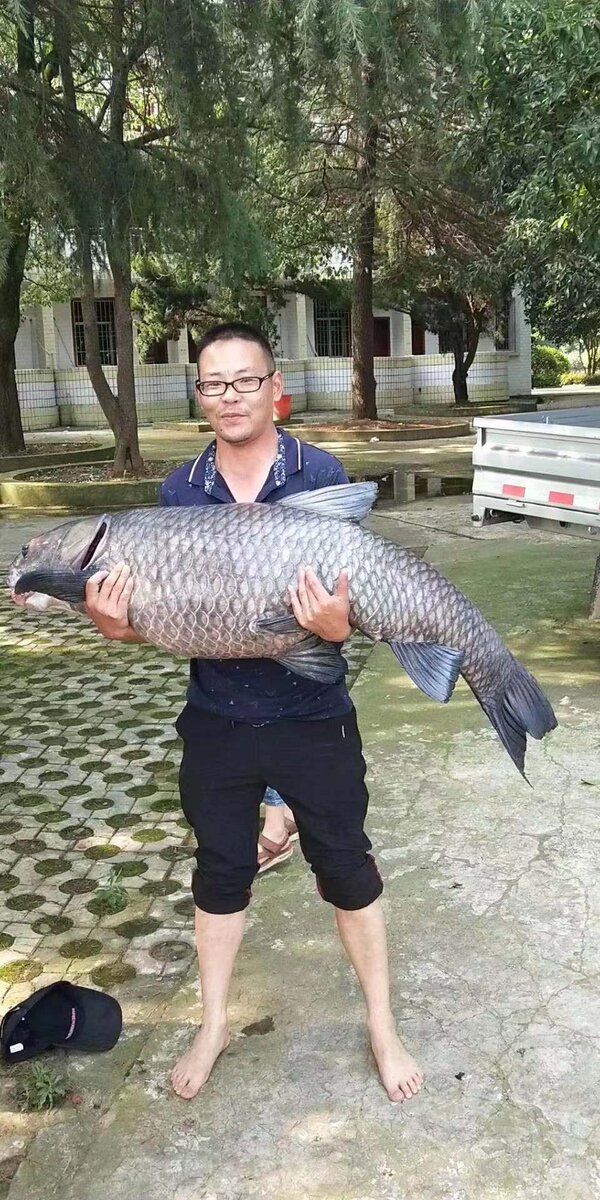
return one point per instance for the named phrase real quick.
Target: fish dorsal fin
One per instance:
(346, 501)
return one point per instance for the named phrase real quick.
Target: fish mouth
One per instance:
(20, 598)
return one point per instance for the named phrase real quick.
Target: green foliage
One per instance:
(539, 106)
(41, 1089)
(561, 284)
(536, 106)
(548, 366)
(592, 380)
(163, 304)
(572, 378)
(111, 897)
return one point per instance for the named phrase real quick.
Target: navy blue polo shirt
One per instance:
(258, 690)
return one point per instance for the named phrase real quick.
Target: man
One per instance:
(251, 723)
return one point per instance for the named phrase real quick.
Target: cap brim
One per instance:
(32, 1044)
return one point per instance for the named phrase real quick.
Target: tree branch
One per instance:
(104, 107)
(151, 135)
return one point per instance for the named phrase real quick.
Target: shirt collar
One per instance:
(288, 461)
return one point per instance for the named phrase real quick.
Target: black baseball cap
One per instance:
(61, 1014)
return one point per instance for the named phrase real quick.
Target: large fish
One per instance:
(212, 582)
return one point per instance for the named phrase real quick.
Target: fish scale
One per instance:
(212, 582)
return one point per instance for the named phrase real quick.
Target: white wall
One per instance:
(519, 363)
(311, 351)
(316, 383)
(63, 329)
(29, 344)
(486, 343)
(287, 329)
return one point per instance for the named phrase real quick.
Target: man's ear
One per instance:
(277, 386)
(199, 398)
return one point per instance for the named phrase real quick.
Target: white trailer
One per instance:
(542, 467)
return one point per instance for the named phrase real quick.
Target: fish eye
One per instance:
(24, 551)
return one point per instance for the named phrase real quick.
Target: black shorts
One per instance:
(319, 770)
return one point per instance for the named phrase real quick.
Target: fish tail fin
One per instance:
(522, 709)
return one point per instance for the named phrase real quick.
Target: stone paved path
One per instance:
(88, 777)
(493, 911)
(88, 795)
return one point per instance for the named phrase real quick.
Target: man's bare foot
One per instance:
(399, 1073)
(192, 1070)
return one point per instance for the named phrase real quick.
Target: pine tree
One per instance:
(144, 146)
(24, 190)
(368, 82)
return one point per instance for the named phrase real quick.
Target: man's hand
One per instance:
(320, 612)
(107, 596)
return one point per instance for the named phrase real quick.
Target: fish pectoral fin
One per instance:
(433, 668)
(282, 622)
(63, 585)
(346, 501)
(315, 659)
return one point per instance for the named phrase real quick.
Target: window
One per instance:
(157, 352)
(105, 320)
(332, 331)
(504, 327)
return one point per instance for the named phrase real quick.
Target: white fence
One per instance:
(166, 392)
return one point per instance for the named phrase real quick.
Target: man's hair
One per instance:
(231, 330)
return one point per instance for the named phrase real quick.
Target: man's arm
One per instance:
(314, 608)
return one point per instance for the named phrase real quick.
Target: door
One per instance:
(381, 337)
(418, 338)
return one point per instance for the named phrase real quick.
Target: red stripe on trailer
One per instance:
(566, 498)
(511, 489)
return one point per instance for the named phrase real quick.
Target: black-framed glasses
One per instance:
(218, 387)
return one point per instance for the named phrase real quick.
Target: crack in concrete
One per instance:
(539, 856)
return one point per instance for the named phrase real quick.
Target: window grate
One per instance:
(333, 335)
(105, 320)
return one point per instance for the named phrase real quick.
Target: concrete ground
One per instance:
(493, 907)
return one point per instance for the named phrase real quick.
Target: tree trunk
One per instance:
(11, 428)
(93, 361)
(459, 376)
(464, 349)
(591, 349)
(595, 609)
(119, 409)
(364, 404)
(127, 452)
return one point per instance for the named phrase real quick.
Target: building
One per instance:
(314, 350)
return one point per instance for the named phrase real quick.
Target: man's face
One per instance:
(238, 416)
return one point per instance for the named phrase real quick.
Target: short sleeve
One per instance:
(167, 496)
(336, 474)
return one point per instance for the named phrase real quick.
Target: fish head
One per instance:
(71, 548)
